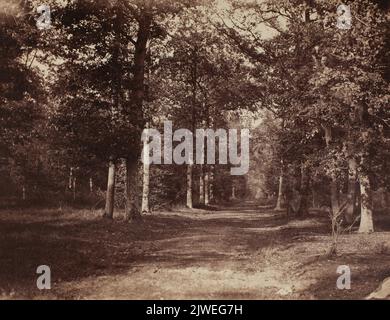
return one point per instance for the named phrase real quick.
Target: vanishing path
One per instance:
(226, 254)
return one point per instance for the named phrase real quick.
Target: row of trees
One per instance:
(328, 96)
(76, 97)
(106, 71)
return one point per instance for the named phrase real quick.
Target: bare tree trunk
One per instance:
(110, 193)
(132, 189)
(146, 177)
(74, 188)
(133, 204)
(334, 190)
(383, 201)
(201, 186)
(280, 190)
(206, 187)
(233, 192)
(351, 197)
(358, 203)
(189, 186)
(70, 178)
(334, 196)
(145, 189)
(304, 192)
(314, 196)
(366, 217)
(386, 195)
(193, 82)
(211, 185)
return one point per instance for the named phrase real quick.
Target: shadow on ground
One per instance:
(242, 244)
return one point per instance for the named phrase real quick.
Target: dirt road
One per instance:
(241, 252)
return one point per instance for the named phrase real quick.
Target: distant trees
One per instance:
(21, 97)
(328, 86)
(202, 74)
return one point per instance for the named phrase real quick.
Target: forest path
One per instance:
(244, 251)
(231, 253)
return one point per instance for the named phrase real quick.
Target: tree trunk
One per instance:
(201, 186)
(304, 192)
(211, 185)
(280, 191)
(314, 196)
(334, 196)
(193, 81)
(70, 178)
(386, 198)
(132, 189)
(334, 190)
(132, 162)
(189, 186)
(383, 201)
(351, 197)
(233, 192)
(358, 202)
(90, 185)
(110, 193)
(74, 188)
(366, 217)
(146, 179)
(206, 187)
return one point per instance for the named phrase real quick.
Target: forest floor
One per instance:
(245, 251)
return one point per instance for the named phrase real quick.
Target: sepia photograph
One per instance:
(213, 151)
